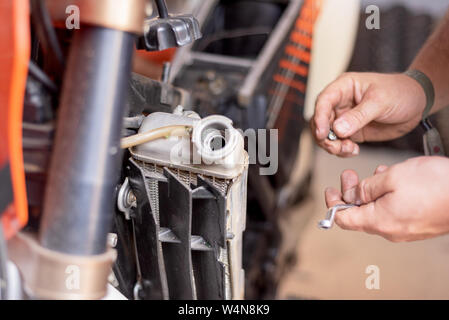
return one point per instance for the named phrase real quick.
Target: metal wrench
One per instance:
(328, 222)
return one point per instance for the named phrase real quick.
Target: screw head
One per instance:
(332, 136)
(131, 198)
(112, 240)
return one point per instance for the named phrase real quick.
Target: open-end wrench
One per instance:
(328, 222)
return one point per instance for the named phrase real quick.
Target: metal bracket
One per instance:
(170, 32)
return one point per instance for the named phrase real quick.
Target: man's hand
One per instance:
(366, 107)
(406, 202)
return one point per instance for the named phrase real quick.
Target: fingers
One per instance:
(356, 218)
(338, 96)
(338, 93)
(349, 148)
(372, 188)
(380, 169)
(323, 115)
(368, 194)
(333, 197)
(355, 119)
(343, 148)
(349, 182)
(367, 191)
(364, 193)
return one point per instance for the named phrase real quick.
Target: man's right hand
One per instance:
(404, 202)
(366, 107)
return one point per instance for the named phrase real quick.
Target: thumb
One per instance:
(355, 119)
(374, 187)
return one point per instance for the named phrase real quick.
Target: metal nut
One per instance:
(332, 136)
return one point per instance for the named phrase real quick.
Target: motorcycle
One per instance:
(117, 184)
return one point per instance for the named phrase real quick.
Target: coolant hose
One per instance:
(163, 132)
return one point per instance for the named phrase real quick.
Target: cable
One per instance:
(162, 8)
(3, 266)
(40, 75)
(45, 30)
(236, 33)
(163, 132)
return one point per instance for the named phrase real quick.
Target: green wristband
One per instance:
(427, 86)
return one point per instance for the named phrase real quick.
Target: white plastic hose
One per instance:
(163, 132)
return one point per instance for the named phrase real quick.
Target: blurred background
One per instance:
(285, 255)
(332, 264)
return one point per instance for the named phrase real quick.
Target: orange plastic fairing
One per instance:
(14, 58)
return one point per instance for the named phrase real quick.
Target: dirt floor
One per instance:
(332, 264)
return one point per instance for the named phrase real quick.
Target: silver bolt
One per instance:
(112, 240)
(131, 198)
(332, 136)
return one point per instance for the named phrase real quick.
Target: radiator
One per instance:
(188, 217)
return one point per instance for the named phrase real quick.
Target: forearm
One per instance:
(433, 60)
